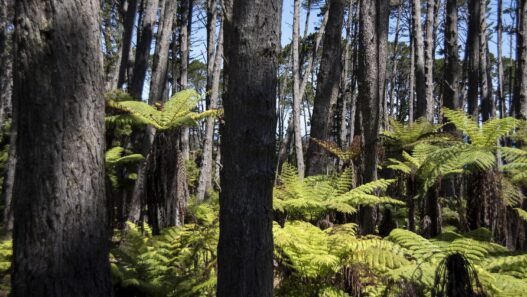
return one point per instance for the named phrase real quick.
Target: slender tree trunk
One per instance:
(373, 45)
(160, 64)
(205, 177)
(520, 96)
(472, 56)
(499, 91)
(451, 74)
(245, 249)
(394, 60)
(487, 104)
(327, 88)
(345, 81)
(60, 239)
(429, 43)
(420, 73)
(6, 78)
(411, 83)
(297, 99)
(143, 47)
(184, 36)
(129, 9)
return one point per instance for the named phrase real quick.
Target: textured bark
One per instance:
(520, 96)
(429, 43)
(60, 239)
(345, 91)
(419, 65)
(6, 79)
(166, 178)
(205, 176)
(128, 10)
(160, 64)
(451, 74)
(297, 97)
(184, 41)
(245, 249)
(373, 45)
(143, 47)
(393, 76)
(328, 80)
(472, 56)
(431, 214)
(411, 83)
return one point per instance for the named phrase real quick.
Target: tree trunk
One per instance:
(500, 98)
(143, 48)
(205, 176)
(160, 64)
(245, 249)
(520, 96)
(327, 88)
(184, 35)
(166, 178)
(373, 40)
(420, 73)
(487, 102)
(429, 59)
(297, 99)
(60, 239)
(411, 83)
(129, 9)
(393, 76)
(345, 94)
(472, 56)
(451, 74)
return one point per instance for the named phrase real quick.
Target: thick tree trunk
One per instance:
(297, 98)
(327, 88)
(373, 40)
(143, 47)
(205, 176)
(60, 239)
(431, 219)
(166, 178)
(472, 56)
(419, 64)
(451, 73)
(160, 64)
(345, 92)
(520, 96)
(245, 249)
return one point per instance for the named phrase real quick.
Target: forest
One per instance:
(257, 148)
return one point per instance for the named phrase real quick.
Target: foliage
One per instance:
(114, 159)
(312, 197)
(172, 114)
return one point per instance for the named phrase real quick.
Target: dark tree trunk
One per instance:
(451, 74)
(60, 239)
(245, 249)
(485, 207)
(373, 39)
(472, 56)
(129, 8)
(431, 214)
(328, 80)
(143, 47)
(419, 61)
(520, 96)
(500, 98)
(166, 178)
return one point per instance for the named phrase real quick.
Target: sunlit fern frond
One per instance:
(464, 123)
(345, 155)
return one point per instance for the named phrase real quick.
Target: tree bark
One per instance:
(129, 9)
(520, 96)
(143, 48)
(373, 44)
(297, 98)
(500, 98)
(205, 176)
(245, 249)
(429, 43)
(160, 64)
(184, 36)
(472, 56)
(451, 74)
(328, 80)
(487, 102)
(60, 239)
(420, 73)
